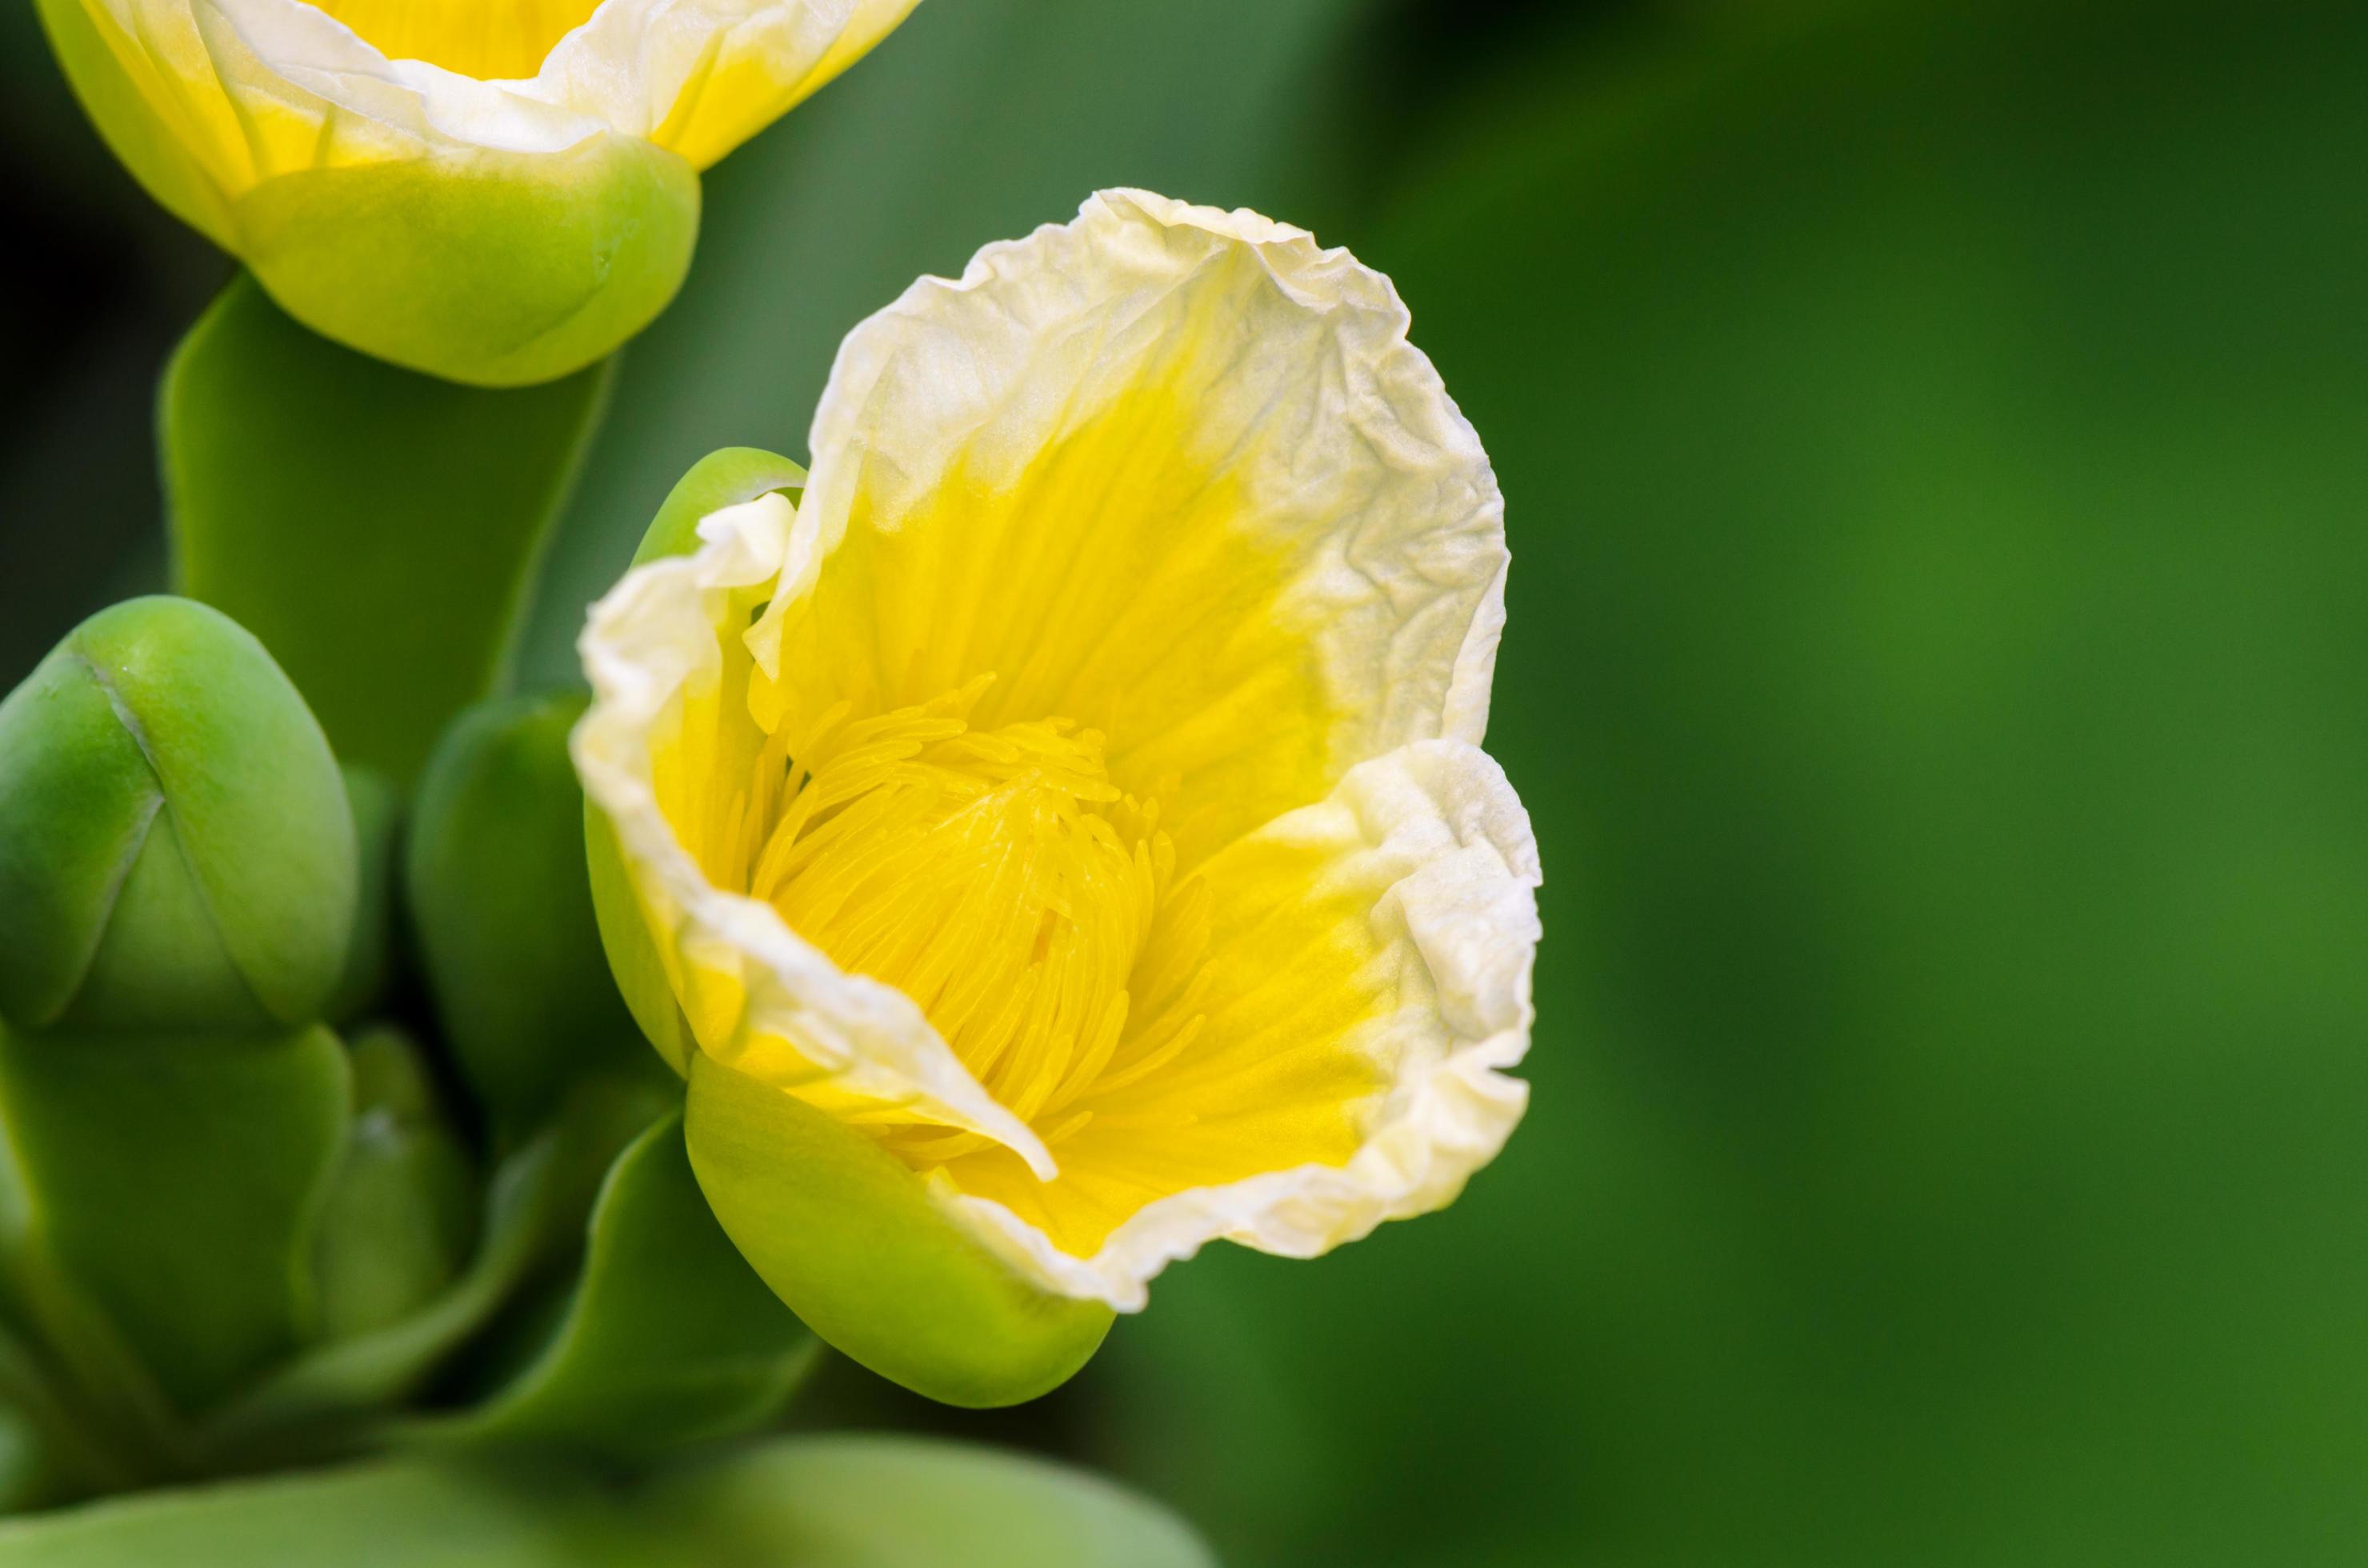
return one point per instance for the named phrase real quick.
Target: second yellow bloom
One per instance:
(495, 191)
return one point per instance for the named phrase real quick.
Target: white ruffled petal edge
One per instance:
(651, 639)
(1465, 901)
(624, 70)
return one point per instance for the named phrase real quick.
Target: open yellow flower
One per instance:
(1060, 837)
(497, 191)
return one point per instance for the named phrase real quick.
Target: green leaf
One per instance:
(498, 892)
(377, 529)
(386, 1516)
(534, 1215)
(397, 1225)
(801, 1502)
(880, 1501)
(669, 1336)
(176, 1180)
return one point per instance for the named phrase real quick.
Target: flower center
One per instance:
(490, 39)
(998, 878)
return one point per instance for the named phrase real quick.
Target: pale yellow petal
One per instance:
(249, 90)
(698, 77)
(1172, 473)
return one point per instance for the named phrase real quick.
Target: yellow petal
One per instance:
(669, 718)
(1367, 979)
(486, 39)
(698, 77)
(1175, 474)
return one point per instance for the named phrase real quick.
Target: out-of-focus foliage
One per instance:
(1933, 443)
(845, 1503)
(1933, 450)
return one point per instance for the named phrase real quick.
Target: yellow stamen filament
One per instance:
(490, 39)
(994, 876)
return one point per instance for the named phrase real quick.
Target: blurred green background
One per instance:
(1935, 440)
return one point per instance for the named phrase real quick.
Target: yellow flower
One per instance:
(1072, 808)
(497, 191)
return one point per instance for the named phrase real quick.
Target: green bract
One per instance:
(175, 846)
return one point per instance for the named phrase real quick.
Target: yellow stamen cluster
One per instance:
(490, 39)
(997, 878)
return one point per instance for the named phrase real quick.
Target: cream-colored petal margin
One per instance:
(256, 88)
(1461, 905)
(650, 647)
(253, 89)
(702, 76)
(1301, 392)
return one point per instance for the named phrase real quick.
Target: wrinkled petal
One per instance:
(1173, 482)
(669, 712)
(698, 77)
(1174, 473)
(1380, 942)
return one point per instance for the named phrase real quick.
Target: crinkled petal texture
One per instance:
(1079, 790)
(494, 190)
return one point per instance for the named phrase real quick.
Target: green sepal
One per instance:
(728, 477)
(668, 1337)
(399, 1218)
(493, 268)
(724, 478)
(856, 1242)
(502, 909)
(378, 529)
(863, 1502)
(176, 847)
(177, 1181)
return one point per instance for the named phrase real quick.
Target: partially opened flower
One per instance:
(1060, 837)
(497, 191)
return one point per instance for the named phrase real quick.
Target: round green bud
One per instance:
(502, 912)
(176, 848)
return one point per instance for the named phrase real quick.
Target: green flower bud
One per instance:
(503, 912)
(176, 848)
